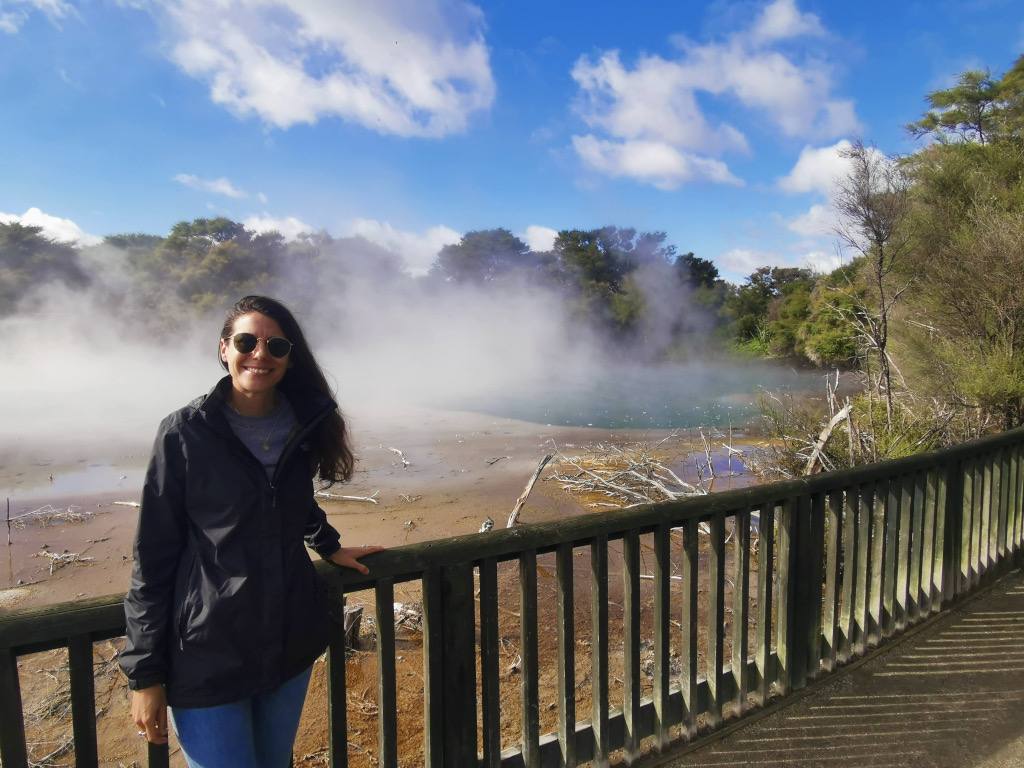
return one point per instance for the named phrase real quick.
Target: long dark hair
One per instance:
(330, 449)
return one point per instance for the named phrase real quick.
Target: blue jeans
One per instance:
(252, 733)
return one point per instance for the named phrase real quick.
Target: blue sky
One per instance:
(411, 122)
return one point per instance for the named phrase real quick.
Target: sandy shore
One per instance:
(431, 474)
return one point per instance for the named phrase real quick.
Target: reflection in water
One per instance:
(97, 477)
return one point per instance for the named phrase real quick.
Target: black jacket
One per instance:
(224, 602)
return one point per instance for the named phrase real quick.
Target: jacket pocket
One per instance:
(190, 597)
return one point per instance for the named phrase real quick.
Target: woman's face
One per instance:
(257, 372)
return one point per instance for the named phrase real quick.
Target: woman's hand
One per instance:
(348, 557)
(149, 711)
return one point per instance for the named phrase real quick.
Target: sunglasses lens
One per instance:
(279, 347)
(244, 342)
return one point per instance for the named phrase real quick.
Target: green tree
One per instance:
(969, 111)
(483, 256)
(30, 260)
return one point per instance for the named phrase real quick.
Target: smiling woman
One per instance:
(225, 614)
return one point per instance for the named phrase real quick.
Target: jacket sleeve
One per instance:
(320, 535)
(159, 541)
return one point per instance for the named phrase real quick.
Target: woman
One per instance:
(225, 612)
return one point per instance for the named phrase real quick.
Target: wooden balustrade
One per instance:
(769, 587)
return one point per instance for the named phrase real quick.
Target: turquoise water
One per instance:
(663, 397)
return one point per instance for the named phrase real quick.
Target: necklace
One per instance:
(270, 434)
(264, 441)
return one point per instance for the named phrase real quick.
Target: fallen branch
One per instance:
(823, 438)
(529, 487)
(370, 499)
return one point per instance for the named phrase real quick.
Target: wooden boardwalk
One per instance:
(948, 695)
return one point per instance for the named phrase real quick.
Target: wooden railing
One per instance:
(751, 594)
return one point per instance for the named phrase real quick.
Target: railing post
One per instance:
(449, 615)
(13, 750)
(337, 701)
(950, 505)
(83, 700)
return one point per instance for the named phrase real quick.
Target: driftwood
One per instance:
(371, 499)
(526, 492)
(630, 475)
(823, 438)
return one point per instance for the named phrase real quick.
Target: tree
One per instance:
(969, 111)
(483, 256)
(29, 260)
(872, 204)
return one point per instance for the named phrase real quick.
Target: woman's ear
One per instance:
(223, 350)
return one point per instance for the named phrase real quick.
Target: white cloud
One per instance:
(219, 186)
(817, 170)
(653, 162)
(782, 20)
(418, 250)
(403, 67)
(17, 14)
(822, 261)
(289, 226)
(655, 103)
(63, 230)
(736, 264)
(819, 221)
(539, 238)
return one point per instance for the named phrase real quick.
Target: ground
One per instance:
(430, 475)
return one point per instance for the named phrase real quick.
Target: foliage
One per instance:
(29, 260)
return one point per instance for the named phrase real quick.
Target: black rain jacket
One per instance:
(224, 602)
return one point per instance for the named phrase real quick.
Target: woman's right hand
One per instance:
(149, 711)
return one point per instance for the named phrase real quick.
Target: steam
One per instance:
(81, 373)
(87, 373)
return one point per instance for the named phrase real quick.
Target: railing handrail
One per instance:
(959, 554)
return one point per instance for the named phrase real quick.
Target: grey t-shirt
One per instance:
(265, 436)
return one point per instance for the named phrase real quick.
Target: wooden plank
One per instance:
(833, 563)
(631, 644)
(689, 618)
(490, 687)
(741, 609)
(851, 558)
(984, 569)
(529, 670)
(13, 750)
(931, 571)
(893, 524)
(458, 635)
(662, 635)
(787, 639)
(915, 556)
(1005, 512)
(879, 540)
(83, 700)
(599, 646)
(949, 532)
(812, 526)
(862, 571)
(716, 622)
(159, 755)
(765, 575)
(1017, 503)
(387, 697)
(566, 655)
(433, 669)
(337, 698)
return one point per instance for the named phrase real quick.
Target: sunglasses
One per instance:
(247, 342)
